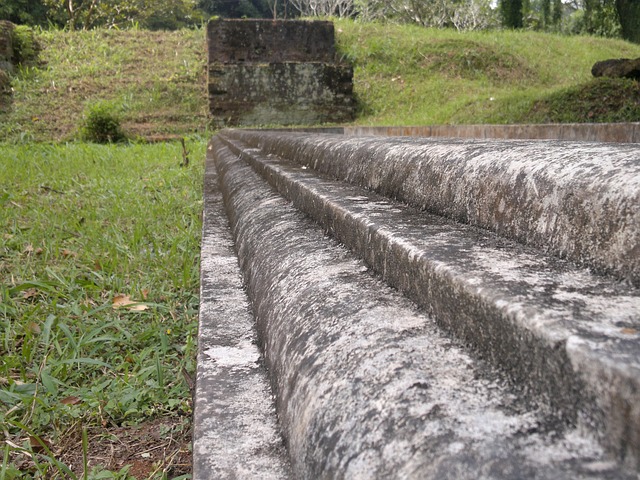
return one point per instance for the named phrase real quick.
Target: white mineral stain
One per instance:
(246, 355)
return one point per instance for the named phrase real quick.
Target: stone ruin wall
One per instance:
(6, 56)
(282, 72)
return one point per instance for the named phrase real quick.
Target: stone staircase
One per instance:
(378, 307)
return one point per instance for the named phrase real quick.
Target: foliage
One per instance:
(152, 14)
(629, 16)
(25, 46)
(102, 124)
(324, 8)
(511, 13)
(85, 223)
(601, 18)
(28, 12)
(469, 15)
(238, 9)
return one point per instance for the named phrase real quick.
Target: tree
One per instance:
(601, 18)
(629, 16)
(473, 15)
(238, 8)
(27, 12)
(511, 12)
(324, 8)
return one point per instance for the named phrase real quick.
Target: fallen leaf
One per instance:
(629, 331)
(39, 444)
(70, 401)
(34, 328)
(68, 253)
(124, 301)
(29, 293)
(145, 293)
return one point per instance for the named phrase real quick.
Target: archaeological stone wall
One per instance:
(6, 56)
(264, 72)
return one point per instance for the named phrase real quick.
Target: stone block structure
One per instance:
(6, 45)
(264, 72)
(435, 308)
(6, 61)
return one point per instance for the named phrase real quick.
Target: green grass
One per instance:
(81, 225)
(155, 79)
(408, 75)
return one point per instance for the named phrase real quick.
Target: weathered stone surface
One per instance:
(366, 385)
(588, 132)
(554, 328)
(6, 45)
(268, 41)
(575, 200)
(236, 435)
(281, 93)
(264, 72)
(617, 68)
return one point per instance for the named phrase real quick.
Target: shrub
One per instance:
(26, 48)
(102, 124)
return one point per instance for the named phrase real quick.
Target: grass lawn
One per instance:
(86, 230)
(410, 75)
(155, 80)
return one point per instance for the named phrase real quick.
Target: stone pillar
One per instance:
(283, 72)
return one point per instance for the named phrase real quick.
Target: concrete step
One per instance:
(367, 385)
(575, 200)
(236, 433)
(569, 336)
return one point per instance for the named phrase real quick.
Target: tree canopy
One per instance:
(598, 17)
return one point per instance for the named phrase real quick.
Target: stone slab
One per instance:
(576, 200)
(236, 435)
(570, 336)
(589, 132)
(367, 385)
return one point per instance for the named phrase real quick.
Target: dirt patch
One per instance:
(150, 450)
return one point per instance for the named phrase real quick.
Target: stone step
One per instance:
(570, 337)
(575, 200)
(367, 385)
(236, 433)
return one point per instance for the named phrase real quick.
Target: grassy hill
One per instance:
(404, 75)
(408, 75)
(154, 80)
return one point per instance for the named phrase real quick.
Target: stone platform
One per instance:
(418, 308)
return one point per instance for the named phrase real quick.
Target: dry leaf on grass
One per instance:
(34, 328)
(68, 253)
(29, 293)
(124, 301)
(39, 444)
